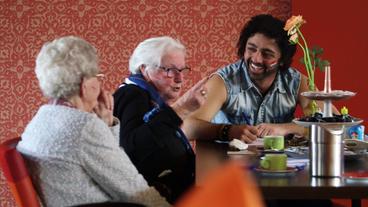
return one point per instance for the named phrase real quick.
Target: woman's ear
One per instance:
(144, 72)
(82, 88)
(142, 69)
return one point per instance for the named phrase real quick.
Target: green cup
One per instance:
(274, 162)
(273, 142)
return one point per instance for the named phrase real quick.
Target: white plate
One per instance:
(354, 144)
(333, 95)
(359, 177)
(288, 170)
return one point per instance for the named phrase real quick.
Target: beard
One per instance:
(258, 71)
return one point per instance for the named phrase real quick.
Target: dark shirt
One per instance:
(153, 147)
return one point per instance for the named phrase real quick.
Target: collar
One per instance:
(138, 80)
(62, 102)
(279, 83)
(248, 83)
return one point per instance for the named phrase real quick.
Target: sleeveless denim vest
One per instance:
(246, 105)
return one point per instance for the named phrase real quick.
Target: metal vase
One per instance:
(326, 150)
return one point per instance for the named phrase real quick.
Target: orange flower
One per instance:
(292, 26)
(294, 38)
(293, 23)
(310, 57)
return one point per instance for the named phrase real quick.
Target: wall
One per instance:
(208, 28)
(340, 27)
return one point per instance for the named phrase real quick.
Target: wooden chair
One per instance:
(230, 185)
(19, 181)
(16, 174)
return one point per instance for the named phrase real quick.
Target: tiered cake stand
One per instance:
(326, 138)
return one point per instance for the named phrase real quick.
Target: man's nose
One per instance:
(257, 57)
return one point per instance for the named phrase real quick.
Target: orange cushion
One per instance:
(230, 185)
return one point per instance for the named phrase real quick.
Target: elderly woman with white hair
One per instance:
(71, 144)
(151, 115)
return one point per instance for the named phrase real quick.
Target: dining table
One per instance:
(298, 184)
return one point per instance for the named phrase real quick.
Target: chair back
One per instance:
(16, 174)
(230, 185)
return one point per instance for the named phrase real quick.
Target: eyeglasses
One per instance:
(172, 72)
(100, 77)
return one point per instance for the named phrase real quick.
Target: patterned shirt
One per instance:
(245, 104)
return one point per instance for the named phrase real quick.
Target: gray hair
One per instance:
(149, 53)
(61, 65)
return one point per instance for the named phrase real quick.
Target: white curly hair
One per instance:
(61, 65)
(149, 52)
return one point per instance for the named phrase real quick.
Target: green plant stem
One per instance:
(307, 61)
(308, 68)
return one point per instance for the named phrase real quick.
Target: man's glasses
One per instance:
(172, 72)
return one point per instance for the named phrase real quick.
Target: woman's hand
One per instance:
(191, 100)
(105, 107)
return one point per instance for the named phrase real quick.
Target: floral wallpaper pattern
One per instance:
(209, 29)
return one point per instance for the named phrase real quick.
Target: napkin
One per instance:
(238, 144)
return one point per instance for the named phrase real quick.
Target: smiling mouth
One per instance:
(256, 67)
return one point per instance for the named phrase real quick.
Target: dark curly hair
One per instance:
(270, 27)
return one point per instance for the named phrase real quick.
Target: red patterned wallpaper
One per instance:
(209, 29)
